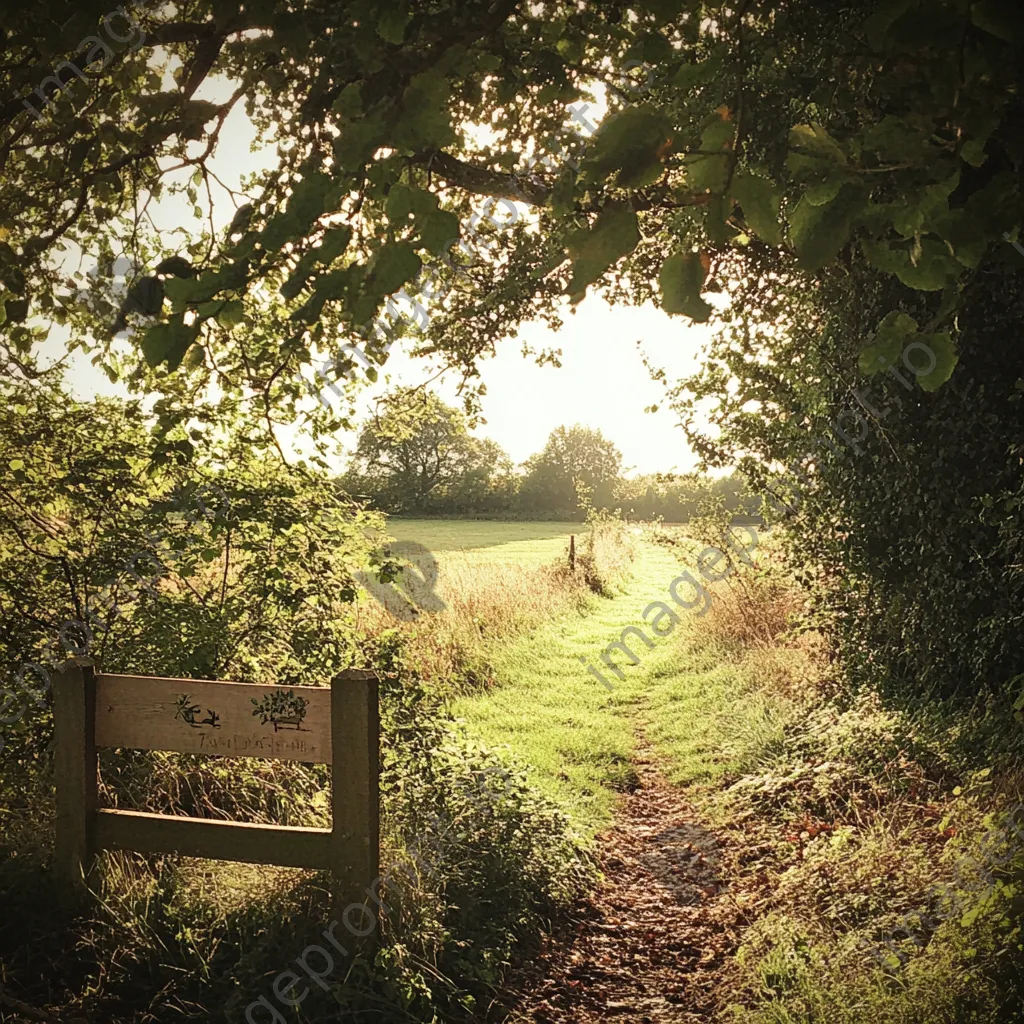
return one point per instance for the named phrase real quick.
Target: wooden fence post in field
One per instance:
(75, 769)
(572, 552)
(337, 726)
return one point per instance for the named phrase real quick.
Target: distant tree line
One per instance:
(417, 457)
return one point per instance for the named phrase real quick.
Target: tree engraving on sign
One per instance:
(282, 709)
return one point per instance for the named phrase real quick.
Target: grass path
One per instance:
(576, 738)
(649, 944)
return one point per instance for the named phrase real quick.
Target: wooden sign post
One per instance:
(337, 726)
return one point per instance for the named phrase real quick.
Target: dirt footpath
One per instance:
(650, 943)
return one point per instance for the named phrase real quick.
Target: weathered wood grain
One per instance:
(75, 769)
(195, 716)
(218, 840)
(354, 782)
(303, 723)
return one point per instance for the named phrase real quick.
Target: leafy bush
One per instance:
(259, 589)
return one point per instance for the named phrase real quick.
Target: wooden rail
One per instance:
(218, 840)
(337, 726)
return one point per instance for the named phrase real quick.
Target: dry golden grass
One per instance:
(753, 609)
(489, 600)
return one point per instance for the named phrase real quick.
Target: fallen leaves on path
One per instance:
(650, 944)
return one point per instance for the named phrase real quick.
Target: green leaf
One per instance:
(426, 113)
(392, 24)
(716, 224)
(167, 343)
(571, 48)
(931, 273)
(177, 266)
(308, 200)
(239, 223)
(563, 193)
(335, 284)
(614, 234)
(631, 145)
(423, 202)
(933, 270)
(358, 140)
(707, 172)
(818, 233)
(681, 279)
(145, 296)
(946, 357)
(395, 264)
(819, 195)
(692, 76)
(929, 206)
(16, 464)
(398, 205)
(195, 358)
(437, 230)
(349, 104)
(282, 227)
(886, 346)
(194, 290)
(894, 139)
(973, 152)
(335, 242)
(231, 313)
(802, 167)
(882, 256)
(653, 48)
(194, 116)
(814, 141)
(760, 201)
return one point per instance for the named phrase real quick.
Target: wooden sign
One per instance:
(339, 726)
(291, 723)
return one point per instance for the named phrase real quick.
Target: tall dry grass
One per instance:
(488, 601)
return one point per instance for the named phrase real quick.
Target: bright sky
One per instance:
(602, 382)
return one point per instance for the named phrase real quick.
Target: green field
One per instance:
(526, 544)
(576, 738)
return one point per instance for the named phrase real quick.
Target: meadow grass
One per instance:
(211, 936)
(525, 544)
(577, 738)
(838, 813)
(496, 582)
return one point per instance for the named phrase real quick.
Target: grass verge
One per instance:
(878, 863)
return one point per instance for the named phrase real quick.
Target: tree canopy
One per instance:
(847, 176)
(881, 134)
(577, 466)
(418, 455)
